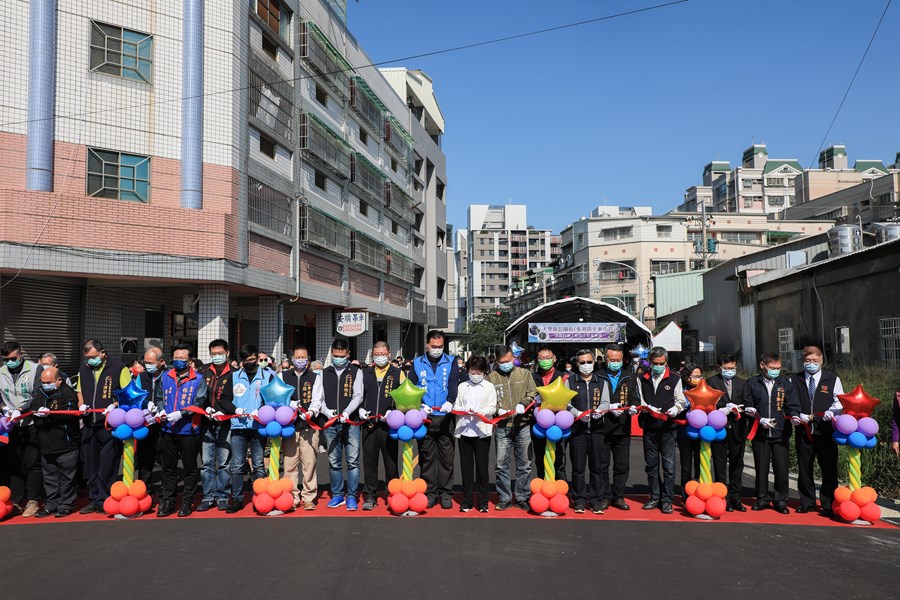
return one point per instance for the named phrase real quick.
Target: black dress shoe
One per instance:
(63, 512)
(89, 509)
(185, 510)
(502, 505)
(621, 504)
(603, 504)
(650, 505)
(782, 508)
(739, 506)
(827, 512)
(666, 508)
(729, 507)
(760, 505)
(43, 512)
(446, 503)
(803, 509)
(234, 506)
(431, 502)
(165, 509)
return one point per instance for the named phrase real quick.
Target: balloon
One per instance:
(273, 429)
(129, 505)
(4, 508)
(284, 502)
(111, 506)
(715, 506)
(720, 434)
(545, 418)
(846, 424)
(554, 433)
(118, 490)
(418, 503)
(707, 433)
(141, 433)
(849, 511)
(262, 431)
(265, 414)
(692, 432)
(288, 431)
(420, 432)
(284, 415)
(870, 512)
(408, 489)
(719, 490)
(857, 440)
(562, 487)
(287, 486)
(871, 442)
(694, 505)
(405, 433)
(539, 503)
(134, 418)
(538, 431)
(548, 488)
(860, 496)
(5, 493)
(535, 485)
(704, 491)
(867, 426)
(842, 494)
(273, 488)
(858, 403)
(640, 351)
(276, 393)
(115, 417)
(559, 503)
(839, 438)
(407, 396)
(873, 495)
(421, 486)
(5, 425)
(145, 503)
(394, 486)
(259, 486)
(566, 434)
(556, 396)
(690, 488)
(132, 395)
(703, 397)
(123, 432)
(395, 419)
(392, 433)
(138, 489)
(516, 349)
(398, 502)
(697, 418)
(263, 503)
(564, 419)
(414, 418)
(717, 419)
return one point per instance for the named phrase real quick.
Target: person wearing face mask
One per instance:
(688, 449)
(98, 378)
(728, 454)
(615, 430)
(181, 387)
(461, 366)
(147, 450)
(817, 391)
(59, 437)
(316, 367)
(339, 392)
(515, 391)
(299, 451)
(770, 397)
(246, 383)
(476, 396)
(546, 374)
(215, 435)
(264, 361)
(437, 374)
(660, 391)
(378, 383)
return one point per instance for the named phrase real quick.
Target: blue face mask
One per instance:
(48, 387)
(728, 373)
(179, 364)
(658, 369)
(773, 373)
(339, 362)
(615, 367)
(505, 367)
(811, 368)
(95, 362)
(150, 367)
(218, 359)
(14, 364)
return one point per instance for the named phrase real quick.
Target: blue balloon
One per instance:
(692, 432)
(420, 432)
(276, 392)
(566, 433)
(707, 433)
(720, 434)
(392, 433)
(871, 441)
(123, 432)
(288, 431)
(132, 395)
(262, 432)
(405, 433)
(554, 433)
(538, 431)
(857, 439)
(839, 438)
(141, 433)
(273, 429)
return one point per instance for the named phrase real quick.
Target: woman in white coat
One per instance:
(475, 397)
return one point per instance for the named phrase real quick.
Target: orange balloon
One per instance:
(715, 506)
(398, 503)
(539, 502)
(111, 506)
(4, 509)
(559, 503)
(118, 490)
(284, 502)
(263, 503)
(562, 487)
(535, 486)
(287, 485)
(849, 511)
(694, 505)
(690, 488)
(138, 489)
(548, 489)
(418, 503)
(4, 494)
(259, 486)
(719, 490)
(394, 486)
(145, 503)
(704, 492)
(273, 488)
(870, 512)
(842, 494)
(408, 489)
(873, 495)
(860, 496)
(703, 397)
(421, 487)
(129, 505)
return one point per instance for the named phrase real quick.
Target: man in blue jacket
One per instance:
(437, 373)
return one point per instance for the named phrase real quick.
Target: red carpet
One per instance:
(765, 517)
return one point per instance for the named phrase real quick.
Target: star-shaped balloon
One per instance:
(276, 392)
(703, 397)
(516, 349)
(132, 395)
(408, 396)
(556, 396)
(858, 403)
(640, 351)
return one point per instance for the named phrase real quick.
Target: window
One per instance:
(269, 208)
(785, 340)
(661, 267)
(271, 14)
(738, 237)
(776, 200)
(394, 227)
(269, 103)
(363, 137)
(269, 47)
(617, 233)
(363, 208)
(393, 164)
(121, 52)
(267, 146)
(842, 340)
(321, 96)
(580, 242)
(613, 271)
(321, 180)
(889, 330)
(118, 175)
(746, 184)
(664, 231)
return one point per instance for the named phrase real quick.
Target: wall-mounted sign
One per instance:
(352, 324)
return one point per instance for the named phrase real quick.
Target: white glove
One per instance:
(654, 409)
(731, 406)
(725, 410)
(767, 423)
(108, 408)
(344, 418)
(614, 406)
(293, 405)
(15, 414)
(750, 411)
(363, 414)
(210, 410)
(174, 416)
(426, 408)
(42, 412)
(254, 413)
(632, 410)
(595, 414)
(586, 417)
(385, 415)
(796, 420)
(672, 411)
(218, 413)
(302, 416)
(329, 414)
(238, 411)
(804, 418)
(502, 412)
(150, 406)
(828, 416)
(520, 409)
(84, 408)
(446, 407)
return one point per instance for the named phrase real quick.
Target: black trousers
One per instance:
(728, 460)
(616, 448)
(100, 452)
(173, 447)
(474, 453)
(436, 456)
(585, 448)
(775, 452)
(59, 479)
(146, 454)
(823, 449)
(688, 457)
(20, 465)
(375, 442)
(539, 445)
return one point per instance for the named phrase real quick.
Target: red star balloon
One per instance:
(858, 403)
(703, 397)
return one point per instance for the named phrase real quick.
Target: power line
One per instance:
(852, 80)
(370, 65)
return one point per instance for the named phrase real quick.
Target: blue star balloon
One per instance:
(516, 349)
(131, 396)
(276, 392)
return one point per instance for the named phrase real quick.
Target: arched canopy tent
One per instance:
(577, 310)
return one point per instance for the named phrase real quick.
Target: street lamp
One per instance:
(637, 276)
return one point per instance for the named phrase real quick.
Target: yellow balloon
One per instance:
(408, 396)
(556, 396)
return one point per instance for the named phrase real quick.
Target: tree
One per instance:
(486, 331)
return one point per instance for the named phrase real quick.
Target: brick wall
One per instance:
(269, 255)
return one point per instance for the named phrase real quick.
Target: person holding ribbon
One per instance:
(728, 454)
(545, 374)
(149, 380)
(688, 449)
(378, 383)
(215, 433)
(299, 450)
(817, 392)
(586, 443)
(516, 391)
(477, 398)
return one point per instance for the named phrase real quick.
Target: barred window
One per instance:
(367, 177)
(121, 52)
(270, 106)
(318, 140)
(319, 229)
(366, 104)
(269, 208)
(118, 175)
(889, 330)
(318, 52)
(368, 252)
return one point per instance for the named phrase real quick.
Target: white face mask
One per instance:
(586, 369)
(476, 379)
(381, 361)
(435, 352)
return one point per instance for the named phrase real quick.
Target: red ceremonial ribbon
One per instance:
(495, 420)
(71, 413)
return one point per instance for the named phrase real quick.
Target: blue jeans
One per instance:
(659, 447)
(240, 440)
(215, 454)
(515, 441)
(341, 438)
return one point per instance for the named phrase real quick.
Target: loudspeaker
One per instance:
(690, 342)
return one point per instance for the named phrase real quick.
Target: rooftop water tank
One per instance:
(843, 239)
(885, 232)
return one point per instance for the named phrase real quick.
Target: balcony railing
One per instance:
(398, 139)
(321, 142)
(368, 252)
(402, 267)
(367, 105)
(269, 103)
(324, 231)
(366, 177)
(324, 58)
(399, 202)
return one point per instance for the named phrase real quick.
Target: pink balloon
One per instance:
(846, 424)
(697, 418)
(396, 419)
(868, 426)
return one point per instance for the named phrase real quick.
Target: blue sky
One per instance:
(629, 110)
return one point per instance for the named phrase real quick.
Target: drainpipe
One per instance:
(192, 105)
(41, 96)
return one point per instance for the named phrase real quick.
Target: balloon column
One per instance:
(128, 423)
(553, 422)
(708, 424)
(5, 427)
(857, 429)
(6, 505)
(405, 422)
(274, 495)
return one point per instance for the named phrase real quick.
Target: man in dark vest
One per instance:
(616, 427)
(586, 441)
(215, 435)
(299, 451)
(661, 393)
(149, 380)
(98, 377)
(338, 392)
(817, 391)
(378, 382)
(728, 455)
(547, 373)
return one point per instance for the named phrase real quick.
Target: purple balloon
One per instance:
(115, 418)
(266, 414)
(5, 425)
(717, 419)
(396, 419)
(867, 426)
(846, 424)
(284, 415)
(697, 418)
(545, 417)
(564, 419)
(413, 418)
(134, 418)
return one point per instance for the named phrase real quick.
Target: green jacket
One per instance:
(516, 388)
